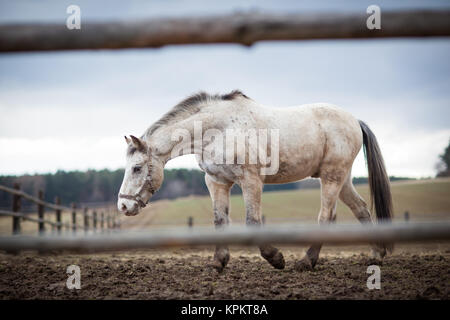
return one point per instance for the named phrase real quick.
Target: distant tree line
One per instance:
(443, 166)
(101, 186)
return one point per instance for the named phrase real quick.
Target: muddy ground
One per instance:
(410, 273)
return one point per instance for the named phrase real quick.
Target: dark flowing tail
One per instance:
(380, 188)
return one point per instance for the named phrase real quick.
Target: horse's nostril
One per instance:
(124, 207)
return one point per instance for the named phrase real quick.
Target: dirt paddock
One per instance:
(412, 272)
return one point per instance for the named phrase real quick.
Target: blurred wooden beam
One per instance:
(240, 235)
(241, 28)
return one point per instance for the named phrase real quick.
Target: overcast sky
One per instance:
(71, 110)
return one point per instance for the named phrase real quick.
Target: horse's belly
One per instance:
(300, 154)
(291, 171)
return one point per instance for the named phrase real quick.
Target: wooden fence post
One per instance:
(41, 210)
(86, 220)
(16, 204)
(190, 222)
(102, 221)
(263, 219)
(95, 220)
(108, 221)
(74, 217)
(58, 215)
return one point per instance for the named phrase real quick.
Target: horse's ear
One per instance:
(137, 143)
(127, 140)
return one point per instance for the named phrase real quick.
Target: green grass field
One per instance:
(425, 200)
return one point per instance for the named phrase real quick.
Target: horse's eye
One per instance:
(136, 169)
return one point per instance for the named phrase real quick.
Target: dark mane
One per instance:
(233, 94)
(191, 105)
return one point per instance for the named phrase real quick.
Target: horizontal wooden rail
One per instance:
(242, 28)
(34, 199)
(27, 217)
(18, 216)
(281, 234)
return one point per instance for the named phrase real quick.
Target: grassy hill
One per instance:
(424, 199)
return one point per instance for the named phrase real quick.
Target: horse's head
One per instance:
(144, 174)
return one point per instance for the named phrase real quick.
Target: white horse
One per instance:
(314, 140)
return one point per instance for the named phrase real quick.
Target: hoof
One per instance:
(221, 258)
(389, 248)
(273, 256)
(304, 264)
(277, 261)
(378, 252)
(218, 266)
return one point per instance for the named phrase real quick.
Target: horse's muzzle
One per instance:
(129, 208)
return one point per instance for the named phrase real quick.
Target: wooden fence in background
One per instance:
(100, 220)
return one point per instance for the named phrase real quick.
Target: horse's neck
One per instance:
(215, 116)
(184, 134)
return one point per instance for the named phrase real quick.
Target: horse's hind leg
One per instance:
(331, 185)
(359, 208)
(220, 195)
(251, 191)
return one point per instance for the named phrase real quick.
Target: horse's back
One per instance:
(342, 135)
(341, 129)
(313, 136)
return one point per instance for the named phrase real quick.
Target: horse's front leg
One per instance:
(252, 190)
(220, 195)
